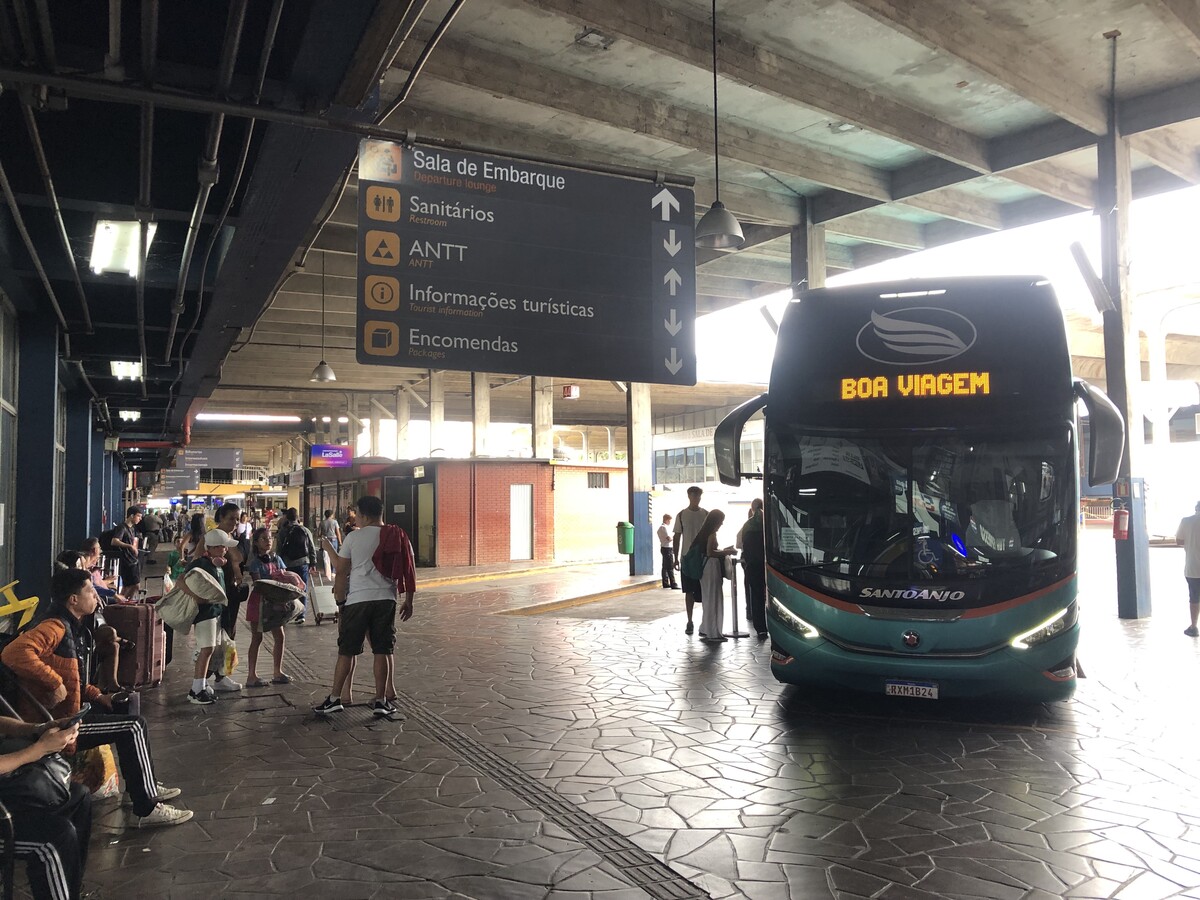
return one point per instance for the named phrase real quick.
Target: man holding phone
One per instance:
(50, 660)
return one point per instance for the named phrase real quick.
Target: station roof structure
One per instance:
(895, 126)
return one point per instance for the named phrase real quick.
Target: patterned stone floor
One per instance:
(596, 751)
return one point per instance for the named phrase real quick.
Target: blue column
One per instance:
(77, 515)
(37, 382)
(96, 486)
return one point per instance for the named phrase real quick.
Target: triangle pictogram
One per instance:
(382, 251)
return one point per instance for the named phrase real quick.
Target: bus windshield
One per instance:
(848, 512)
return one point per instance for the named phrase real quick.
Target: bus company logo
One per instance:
(911, 639)
(915, 336)
(909, 594)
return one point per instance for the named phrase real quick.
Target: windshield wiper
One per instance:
(819, 565)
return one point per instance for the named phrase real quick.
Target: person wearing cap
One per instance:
(207, 624)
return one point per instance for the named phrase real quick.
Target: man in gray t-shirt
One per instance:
(687, 525)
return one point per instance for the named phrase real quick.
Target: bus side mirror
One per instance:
(727, 440)
(1106, 434)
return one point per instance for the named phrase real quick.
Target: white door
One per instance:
(520, 519)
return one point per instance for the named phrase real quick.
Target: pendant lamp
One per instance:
(718, 229)
(322, 372)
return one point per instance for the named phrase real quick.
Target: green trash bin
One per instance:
(625, 538)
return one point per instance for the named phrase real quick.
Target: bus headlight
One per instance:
(793, 621)
(1052, 627)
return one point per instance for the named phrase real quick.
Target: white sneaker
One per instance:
(163, 814)
(227, 685)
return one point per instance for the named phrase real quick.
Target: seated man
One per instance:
(53, 840)
(50, 661)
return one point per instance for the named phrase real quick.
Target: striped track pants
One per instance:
(128, 735)
(54, 845)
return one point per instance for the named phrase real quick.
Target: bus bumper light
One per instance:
(1063, 670)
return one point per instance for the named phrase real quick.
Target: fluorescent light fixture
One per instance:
(243, 417)
(325, 419)
(122, 370)
(115, 246)
(343, 420)
(129, 415)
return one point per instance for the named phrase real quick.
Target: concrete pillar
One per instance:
(640, 460)
(808, 254)
(77, 510)
(542, 417)
(1122, 362)
(32, 504)
(437, 411)
(481, 412)
(402, 425)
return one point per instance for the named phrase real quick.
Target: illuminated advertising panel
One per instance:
(331, 456)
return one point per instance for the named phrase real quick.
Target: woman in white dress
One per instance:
(712, 587)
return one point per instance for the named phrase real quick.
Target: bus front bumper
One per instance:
(1007, 672)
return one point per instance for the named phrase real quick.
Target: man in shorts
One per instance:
(367, 602)
(687, 526)
(125, 541)
(1188, 537)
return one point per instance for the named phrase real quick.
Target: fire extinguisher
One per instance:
(1120, 523)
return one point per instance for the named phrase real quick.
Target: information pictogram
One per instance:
(383, 248)
(381, 292)
(383, 204)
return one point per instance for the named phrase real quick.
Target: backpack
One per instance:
(692, 564)
(295, 544)
(106, 537)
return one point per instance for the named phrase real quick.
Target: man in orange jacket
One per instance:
(50, 660)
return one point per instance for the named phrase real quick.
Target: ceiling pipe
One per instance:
(47, 33)
(19, 221)
(124, 93)
(100, 403)
(130, 443)
(39, 155)
(208, 172)
(25, 30)
(144, 214)
(430, 46)
(112, 61)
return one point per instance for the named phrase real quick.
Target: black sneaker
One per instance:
(204, 698)
(331, 705)
(689, 629)
(1192, 631)
(386, 709)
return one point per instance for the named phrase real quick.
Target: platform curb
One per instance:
(554, 605)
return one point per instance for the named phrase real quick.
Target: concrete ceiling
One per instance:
(897, 126)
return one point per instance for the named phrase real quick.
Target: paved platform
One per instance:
(595, 751)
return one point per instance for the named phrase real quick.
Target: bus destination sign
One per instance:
(928, 384)
(479, 263)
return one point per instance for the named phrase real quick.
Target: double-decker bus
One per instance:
(921, 488)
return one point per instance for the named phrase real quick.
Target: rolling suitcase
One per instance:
(320, 598)
(142, 665)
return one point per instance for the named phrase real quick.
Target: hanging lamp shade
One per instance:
(322, 372)
(718, 229)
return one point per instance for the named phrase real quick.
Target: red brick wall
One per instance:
(586, 518)
(491, 535)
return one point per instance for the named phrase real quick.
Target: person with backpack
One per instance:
(124, 543)
(294, 543)
(50, 660)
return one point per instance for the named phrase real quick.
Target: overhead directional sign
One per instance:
(176, 481)
(199, 458)
(481, 263)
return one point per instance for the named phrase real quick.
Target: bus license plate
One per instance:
(922, 690)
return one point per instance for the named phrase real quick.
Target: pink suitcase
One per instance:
(142, 665)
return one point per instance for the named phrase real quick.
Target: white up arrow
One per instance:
(673, 279)
(671, 245)
(674, 364)
(672, 324)
(667, 201)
